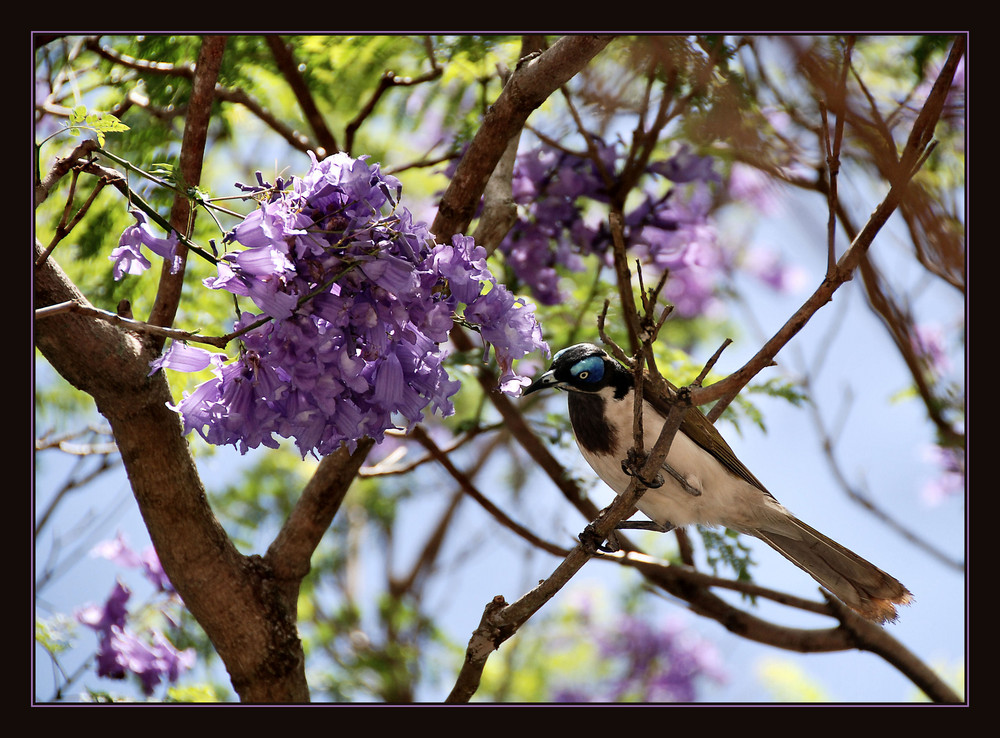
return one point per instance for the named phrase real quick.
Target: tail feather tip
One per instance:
(881, 610)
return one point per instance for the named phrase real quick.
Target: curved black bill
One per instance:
(545, 380)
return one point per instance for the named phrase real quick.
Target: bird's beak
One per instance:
(545, 380)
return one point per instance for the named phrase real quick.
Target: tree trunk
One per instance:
(236, 599)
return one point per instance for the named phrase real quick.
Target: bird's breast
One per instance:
(594, 432)
(603, 430)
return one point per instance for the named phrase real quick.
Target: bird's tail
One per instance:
(861, 585)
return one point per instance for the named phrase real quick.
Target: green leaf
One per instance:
(108, 122)
(727, 549)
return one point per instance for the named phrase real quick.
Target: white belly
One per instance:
(725, 499)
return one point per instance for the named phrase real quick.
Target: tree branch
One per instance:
(192, 155)
(917, 148)
(326, 141)
(527, 88)
(420, 436)
(292, 549)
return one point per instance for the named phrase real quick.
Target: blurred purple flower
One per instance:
(128, 257)
(113, 613)
(120, 651)
(750, 185)
(686, 166)
(554, 189)
(661, 662)
(118, 551)
(951, 481)
(929, 344)
(648, 661)
(767, 266)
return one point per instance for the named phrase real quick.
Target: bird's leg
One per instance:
(631, 465)
(634, 462)
(682, 481)
(645, 525)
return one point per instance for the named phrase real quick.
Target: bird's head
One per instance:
(580, 368)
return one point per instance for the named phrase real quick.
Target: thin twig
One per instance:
(138, 326)
(420, 436)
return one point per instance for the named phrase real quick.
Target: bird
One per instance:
(705, 483)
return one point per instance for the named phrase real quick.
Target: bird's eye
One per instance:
(589, 370)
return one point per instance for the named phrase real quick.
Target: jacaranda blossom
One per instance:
(351, 303)
(121, 652)
(128, 257)
(666, 230)
(118, 551)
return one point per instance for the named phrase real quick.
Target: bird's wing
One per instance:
(698, 428)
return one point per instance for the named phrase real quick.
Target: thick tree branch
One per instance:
(527, 88)
(291, 551)
(192, 155)
(288, 67)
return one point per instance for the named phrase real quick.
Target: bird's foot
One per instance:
(633, 463)
(593, 542)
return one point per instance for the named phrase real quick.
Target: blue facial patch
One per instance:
(590, 369)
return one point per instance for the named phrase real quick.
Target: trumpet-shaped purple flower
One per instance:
(354, 300)
(508, 324)
(128, 257)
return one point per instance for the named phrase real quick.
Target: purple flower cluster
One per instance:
(659, 662)
(667, 230)
(354, 300)
(120, 651)
(662, 663)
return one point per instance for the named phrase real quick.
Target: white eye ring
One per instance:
(583, 375)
